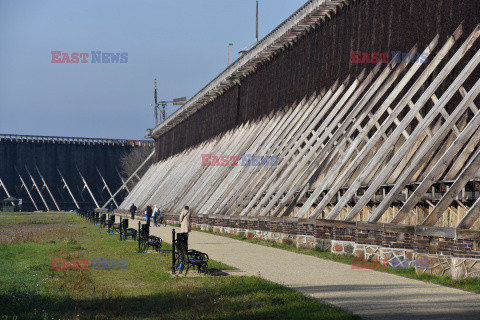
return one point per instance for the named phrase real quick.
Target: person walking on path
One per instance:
(111, 207)
(148, 213)
(133, 209)
(185, 220)
(155, 215)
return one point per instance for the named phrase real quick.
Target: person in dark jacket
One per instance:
(133, 209)
(148, 213)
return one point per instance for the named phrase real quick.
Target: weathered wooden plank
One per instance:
(379, 156)
(437, 170)
(375, 141)
(245, 177)
(279, 171)
(419, 131)
(466, 174)
(287, 151)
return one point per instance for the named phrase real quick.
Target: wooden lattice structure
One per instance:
(368, 155)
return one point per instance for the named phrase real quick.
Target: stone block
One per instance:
(240, 232)
(348, 248)
(359, 254)
(250, 235)
(337, 248)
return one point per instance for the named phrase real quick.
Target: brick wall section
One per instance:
(275, 225)
(422, 244)
(369, 233)
(290, 226)
(393, 240)
(324, 229)
(194, 219)
(344, 231)
(225, 222)
(253, 224)
(211, 221)
(242, 223)
(306, 227)
(445, 246)
(263, 224)
(434, 240)
(467, 244)
(398, 237)
(423, 240)
(233, 222)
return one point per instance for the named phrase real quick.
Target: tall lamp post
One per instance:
(228, 53)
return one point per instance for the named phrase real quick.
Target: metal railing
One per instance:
(75, 140)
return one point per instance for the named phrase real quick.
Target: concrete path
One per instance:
(367, 293)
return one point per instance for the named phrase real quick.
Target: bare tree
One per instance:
(131, 160)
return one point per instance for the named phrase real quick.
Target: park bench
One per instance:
(103, 220)
(111, 223)
(96, 218)
(146, 241)
(130, 232)
(186, 258)
(125, 231)
(154, 242)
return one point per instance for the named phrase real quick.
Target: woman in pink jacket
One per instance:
(185, 219)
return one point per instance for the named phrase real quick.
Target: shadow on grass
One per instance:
(243, 298)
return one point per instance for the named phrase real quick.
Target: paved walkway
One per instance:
(367, 293)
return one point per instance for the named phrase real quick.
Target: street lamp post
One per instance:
(228, 53)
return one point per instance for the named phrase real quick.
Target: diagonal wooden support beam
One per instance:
(85, 185)
(331, 165)
(322, 148)
(279, 170)
(380, 155)
(48, 189)
(287, 148)
(106, 187)
(80, 192)
(123, 180)
(288, 128)
(38, 190)
(467, 173)
(431, 146)
(128, 180)
(26, 188)
(4, 187)
(335, 177)
(470, 217)
(433, 175)
(438, 170)
(283, 145)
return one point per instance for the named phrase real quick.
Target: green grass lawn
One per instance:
(465, 284)
(31, 289)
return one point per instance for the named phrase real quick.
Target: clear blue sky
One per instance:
(182, 43)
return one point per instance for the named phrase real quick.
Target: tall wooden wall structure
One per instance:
(62, 173)
(394, 143)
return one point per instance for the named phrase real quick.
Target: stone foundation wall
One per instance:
(432, 250)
